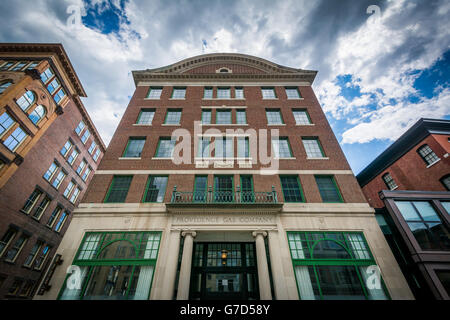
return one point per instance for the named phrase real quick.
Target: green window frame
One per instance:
(301, 117)
(173, 116)
(241, 117)
(203, 147)
(243, 147)
(223, 93)
(208, 93)
(247, 189)
(223, 188)
(126, 254)
(223, 117)
(274, 117)
(118, 190)
(282, 148)
(146, 116)
(134, 147)
(179, 93)
(165, 148)
(155, 190)
(224, 147)
(292, 93)
(239, 93)
(154, 93)
(268, 93)
(206, 116)
(292, 189)
(313, 148)
(316, 254)
(328, 189)
(200, 188)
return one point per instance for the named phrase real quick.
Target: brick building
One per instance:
(408, 185)
(49, 149)
(253, 202)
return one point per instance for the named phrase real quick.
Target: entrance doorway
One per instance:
(224, 271)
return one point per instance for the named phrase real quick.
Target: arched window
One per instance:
(26, 100)
(37, 114)
(5, 86)
(427, 154)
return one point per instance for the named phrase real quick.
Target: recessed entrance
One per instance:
(224, 271)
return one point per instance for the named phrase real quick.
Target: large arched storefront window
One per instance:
(113, 266)
(335, 266)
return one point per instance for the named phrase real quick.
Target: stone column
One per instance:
(263, 270)
(186, 262)
(168, 284)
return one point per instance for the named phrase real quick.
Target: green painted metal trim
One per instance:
(335, 186)
(147, 186)
(299, 186)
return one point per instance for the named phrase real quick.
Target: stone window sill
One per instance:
(432, 164)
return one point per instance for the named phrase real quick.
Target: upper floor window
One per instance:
(118, 189)
(51, 171)
(292, 191)
(6, 66)
(146, 116)
(155, 189)
(445, 180)
(5, 86)
(173, 116)
(165, 148)
(427, 154)
(203, 147)
(208, 93)
(53, 86)
(6, 240)
(6, 122)
(85, 136)
(14, 251)
(75, 195)
(223, 117)
(268, 93)
(32, 65)
(274, 116)
(239, 92)
(61, 221)
(301, 117)
(81, 166)
(292, 93)
(281, 147)
(313, 148)
(154, 93)
(65, 149)
(69, 189)
(59, 95)
(19, 66)
(80, 127)
(179, 93)
(47, 75)
(241, 117)
(73, 156)
(134, 148)
(26, 100)
(15, 139)
(243, 147)
(389, 181)
(37, 114)
(86, 173)
(96, 155)
(223, 147)
(328, 189)
(31, 201)
(223, 93)
(206, 116)
(92, 147)
(59, 179)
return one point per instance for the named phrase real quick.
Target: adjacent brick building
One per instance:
(408, 185)
(227, 221)
(49, 149)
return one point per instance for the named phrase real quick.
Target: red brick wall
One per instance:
(410, 172)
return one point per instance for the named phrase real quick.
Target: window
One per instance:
(206, 116)
(14, 289)
(54, 216)
(165, 148)
(6, 122)
(96, 155)
(33, 253)
(154, 93)
(80, 127)
(6, 66)
(59, 95)
(200, 188)
(4, 86)
(59, 179)
(173, 116)
(268, 93)
(19, 66)
(17, 247)
(444, 278)
(75, 195)
(27, 289)
(207, 93)
(32, 65)
(292, 93)
(425, 224)
(281, 147)
(41, 208)
(333, 266)
(6, 240)
(243, 147)
(313, 148)
(239, 92)
(69, 189)
(119, 189)
(274, 116)
(81, 166)
(85, 136)
(223, 93)
(37, 114)
(92, 147)
(445, 180)
(223, 148)
(31, 201)
(155, 189)
(301, 117)
(223, 116)
(203, 147)
(41, 258)
(146, 116)
(86, 174)
(61, 221)
(120, 265)
(223, 189)
(178, 93)
(247, 194)
(65, 149)
(53, 86)
(73, 156)
(389, 181)
(15, 139)
(328, 189)
(47, 75)
(241, 117)
(427, 155)
(292, 191)
(26, 100)
(134, 148)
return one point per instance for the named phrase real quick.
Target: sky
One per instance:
(382, 65)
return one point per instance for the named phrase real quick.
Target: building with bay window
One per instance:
(45, 166)
(224, 180)
(408, 185)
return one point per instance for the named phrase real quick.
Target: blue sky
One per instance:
(379, 72)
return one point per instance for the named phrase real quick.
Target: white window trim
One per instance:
(432, 164)
(129, 158)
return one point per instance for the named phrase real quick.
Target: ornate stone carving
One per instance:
(33, 73)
